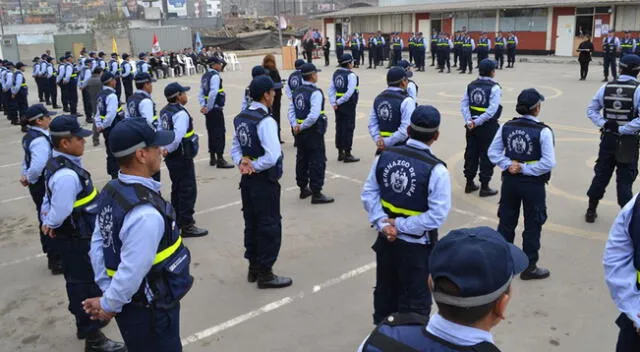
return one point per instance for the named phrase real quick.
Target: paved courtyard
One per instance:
(327, 248)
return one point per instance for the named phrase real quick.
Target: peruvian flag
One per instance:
(155, 47)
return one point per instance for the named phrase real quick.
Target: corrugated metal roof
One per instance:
(468, 5)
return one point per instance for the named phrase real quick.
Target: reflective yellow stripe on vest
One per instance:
(477, 108)
(155, 117)
(528, 162)
(189, 134)
(73, 75)
(301, 121)
(639, 277)
(385, 133)
(102, 117)
(397, 210)
(160, 257)
(87, 199)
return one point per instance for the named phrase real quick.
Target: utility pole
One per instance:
(21, 14)
(278, 21)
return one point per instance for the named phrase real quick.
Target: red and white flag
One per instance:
(155, 47)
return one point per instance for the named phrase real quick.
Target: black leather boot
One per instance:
(223, 164)
(267, 279)
(212, 159)
(471, 187)
(305, 193)
(252, 274)
(193, 231)
(340, 155)
(591, 214)
(486, 191)
(534, 272)
(319, 198)
(97, 342)
(348, 158)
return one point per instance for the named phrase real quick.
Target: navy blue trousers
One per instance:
(605, 164)
(112, 163)
(183, 187)
(118, 88)
(86, 103)
(72, 97)
(215, 131)
(144, 329)
(79, 277)
(311, 160)
(401, 278)
(52, 89)
(355, 53)
(397, 56)
(531, 194)
(499, 57)
(262, 220)
(37, 191)
(339, 52)
(345, 125)
(127, 84)
(609, 64)
(475, 154)
(628, 337)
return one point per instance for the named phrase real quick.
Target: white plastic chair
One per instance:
(227, 59)
(189, 66)
(233, 61)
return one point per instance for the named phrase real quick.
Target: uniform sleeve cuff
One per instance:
(107, 306)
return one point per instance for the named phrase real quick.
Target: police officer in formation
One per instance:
(372, 45)
(108, 114)
(627, 45)
(10, 109)
(407, 196)
(481, 109)
(100, 62)
(412, 47)
(179, 158)
(435, 35)
(523, 149)
(36, 144)
(412, 87)
(610, 45)
(140, 104)
(38, 75)
(51, 93)
(498, 49)
(484, 45)
(344, 91)
(68, 219)
(470, 280)
(255, 148)
(381, 43)
(18, 100)
(212, 100)
(457, 47)
(397, 45)
(295, 79)
(83, 78)
(466, 59)
(126, 74)
(421, 47)
(621, 267)
(391, 112)
(444, 47)
(62, 65)
(140, 262)
(354, 44)
(339, 46)
(309, 123)
(70, 86)
(256, 71)
(512, 45)
(142, 65)
(619, 123)
(114, 68)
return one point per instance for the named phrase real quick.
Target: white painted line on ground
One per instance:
(13, 199)
(18, 261)
(274, 305)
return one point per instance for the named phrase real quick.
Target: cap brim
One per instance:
(186, 89)
(277, 85)
(51, 113)
(520, 260)
(82, 133)
(409, 74)
(163, 138)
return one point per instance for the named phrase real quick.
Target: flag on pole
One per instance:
(155, 46)
(114, 45)
(198, 42)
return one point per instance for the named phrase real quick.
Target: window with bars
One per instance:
(524, 20)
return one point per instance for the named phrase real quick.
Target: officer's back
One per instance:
(471, 273)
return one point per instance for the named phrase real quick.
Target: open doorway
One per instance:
(584, 25)
(338, 29)
(436, 26)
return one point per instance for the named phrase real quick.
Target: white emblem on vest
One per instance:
(478, 97)
(300, 102)
(105, 222)
(400, 176)
(244, 135)
(339, 82)
(520, 142)
(384, 111)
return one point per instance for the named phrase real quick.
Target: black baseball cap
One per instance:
(67, 125)
(37, 111)
(133, 133)
(173, 89)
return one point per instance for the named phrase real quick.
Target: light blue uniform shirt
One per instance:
(126, 69)
(314, 110)
(180, 126)
(214, 86)
(268, 135)
(287, 89)
(597, 104)
(8, 81)
(64, 186)
(40, 153)
(145, 108)
(68, 70)
(49, 71)
(113, 68)
(86, 75)
(112, 109)
(352, 82)
(494, 104)
(616, 41)
(15, 87)
(141, 233)
(406, 109)
(36, 70)
(439, 201)
(412, 90)
(61, 73)
(496, 153)
(619, 273)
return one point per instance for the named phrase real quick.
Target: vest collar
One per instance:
(257, 105)
(417, 144)
(45, 132)
(625, 78)
(455, 333)
(529, 117)
(108, 88)
(486, 78)
(75, 159)
(147, 182)
(143, 92)
(398, 89)
(308, 83)
(209, 69)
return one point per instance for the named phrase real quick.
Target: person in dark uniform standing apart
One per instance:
(627, 45)
(407, 196)
(584, 57)
(354, 45)
(309, 123)
(610, 46)
(481, 109)
(137, 254)
(618, 123)
(512, 45)
(256, 150)
(339, 47)
(108, 114)
(471, 274)
(391, 112)
(212, 100)
(179, 158)
(36, 144)
(344, 90)
(483, 47)
(127, 76)
(372, 43)
(523, 149)
(621, 267)
(68, 219)
(498, 49)
(326, 48)
(434, 46)
(466, 60)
